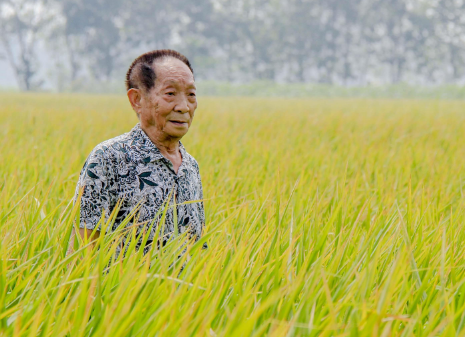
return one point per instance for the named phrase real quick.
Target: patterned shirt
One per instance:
(131, 170)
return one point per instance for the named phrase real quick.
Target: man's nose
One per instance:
(182, 104)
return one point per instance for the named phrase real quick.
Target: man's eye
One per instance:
(192, 94)
(170, 93)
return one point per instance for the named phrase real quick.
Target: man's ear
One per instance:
(135, 96)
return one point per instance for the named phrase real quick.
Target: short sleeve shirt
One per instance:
(130, 171)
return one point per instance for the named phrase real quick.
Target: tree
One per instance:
(22, 24)
(450, 33)
(92, 36)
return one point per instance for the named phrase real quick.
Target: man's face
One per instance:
(167, 110)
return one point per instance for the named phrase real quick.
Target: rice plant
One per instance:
(324, 218)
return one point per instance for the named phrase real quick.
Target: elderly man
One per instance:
(148, 165)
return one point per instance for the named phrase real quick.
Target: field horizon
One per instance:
(271, 90)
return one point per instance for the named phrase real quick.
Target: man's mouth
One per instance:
(178, 122)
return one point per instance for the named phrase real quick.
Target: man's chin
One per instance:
(176, 133)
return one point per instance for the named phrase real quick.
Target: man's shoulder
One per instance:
(110, 148)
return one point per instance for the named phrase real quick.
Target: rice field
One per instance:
(325, 217)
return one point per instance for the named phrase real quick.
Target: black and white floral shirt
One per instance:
(131, 169)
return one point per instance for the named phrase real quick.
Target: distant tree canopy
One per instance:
(345, 42)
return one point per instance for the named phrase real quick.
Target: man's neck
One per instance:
(168, 146)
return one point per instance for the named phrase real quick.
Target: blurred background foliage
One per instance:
(257, 46)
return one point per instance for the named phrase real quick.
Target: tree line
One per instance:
(344, 42)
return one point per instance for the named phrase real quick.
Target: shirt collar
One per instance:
(146, 147)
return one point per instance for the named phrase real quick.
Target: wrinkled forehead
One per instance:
(173, 71)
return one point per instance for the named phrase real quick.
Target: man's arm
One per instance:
(92, 192)
(201, 206)
(84, 233)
